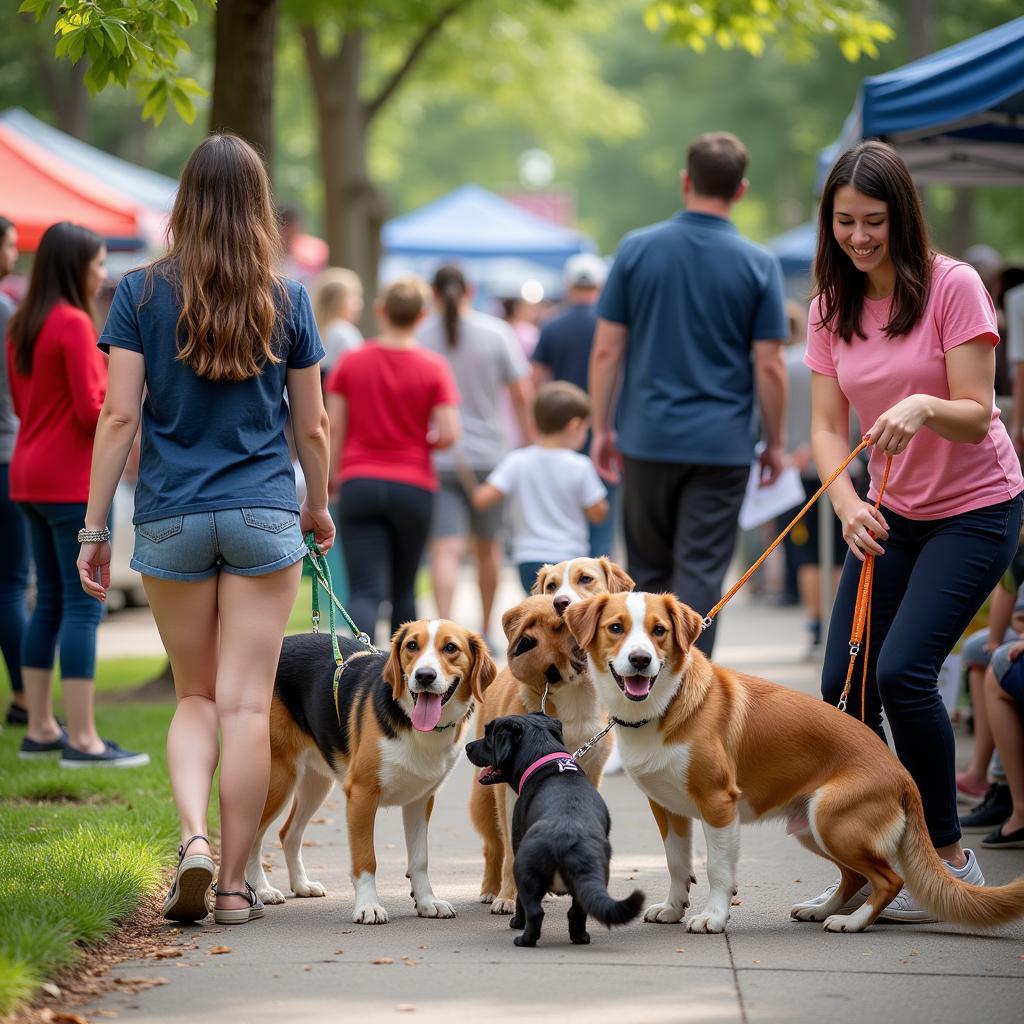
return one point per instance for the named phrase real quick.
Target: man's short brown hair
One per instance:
(557, 404)
(716, 163)
(404, 300)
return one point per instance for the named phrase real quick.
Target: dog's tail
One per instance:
(946, 896)
(592, 893)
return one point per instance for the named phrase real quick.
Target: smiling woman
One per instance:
(906, 336)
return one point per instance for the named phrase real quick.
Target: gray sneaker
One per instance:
(112, 756)
(858, 899)
(906, 910)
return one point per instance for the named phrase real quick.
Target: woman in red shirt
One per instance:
(58, 380)
(390, 403)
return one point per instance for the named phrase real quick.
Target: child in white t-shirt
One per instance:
(555, 489)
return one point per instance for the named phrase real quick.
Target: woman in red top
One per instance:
(389, 403)
(58, 380)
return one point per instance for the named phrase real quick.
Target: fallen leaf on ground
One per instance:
(680, 949)
(68, 1018)
(736, 902)
(382, 960)
(338, 952)
(167, 953)
(405, 1008)
(310, 842)
(51, 990)
(427, 947)
(217, 950)
(755, 961)
(306, 967)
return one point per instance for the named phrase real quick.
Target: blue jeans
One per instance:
(14, 563)
(933, 577)
(64, 613)
(602, 535)
(528, 574)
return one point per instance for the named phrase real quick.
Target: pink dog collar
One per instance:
(566, 764)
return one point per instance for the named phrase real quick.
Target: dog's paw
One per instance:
(371, 913)
(269, 895)
(434, 908)
(842, 923)
(487, 897)
(665, 913)
(522, 940)
(515, 921)
(582, 939)
(707, 923)
(802, 913)
(503, 906)
(308, 888)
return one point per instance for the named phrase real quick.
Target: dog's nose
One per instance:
(426, 676)
(639, 659)
(561, 603)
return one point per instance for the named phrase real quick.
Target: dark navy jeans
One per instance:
(64, 614)
(14, 564)
(935, 574)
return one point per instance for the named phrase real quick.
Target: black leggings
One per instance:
(933, 577)
(384, 528)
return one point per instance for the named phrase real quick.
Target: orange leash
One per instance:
(862, 610)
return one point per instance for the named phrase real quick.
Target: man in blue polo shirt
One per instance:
(692, 318)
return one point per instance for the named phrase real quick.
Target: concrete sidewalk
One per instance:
(306, 962)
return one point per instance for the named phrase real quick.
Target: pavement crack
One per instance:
(736, 981)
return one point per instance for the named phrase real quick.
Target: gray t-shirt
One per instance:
(551, 488)
(8, 421)
(339, 337)
(486, 359)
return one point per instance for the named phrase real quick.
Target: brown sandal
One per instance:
(241, 915)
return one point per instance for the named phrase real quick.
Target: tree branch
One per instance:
(430, 30)
(314, 58)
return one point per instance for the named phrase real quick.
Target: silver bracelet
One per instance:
(94, 536)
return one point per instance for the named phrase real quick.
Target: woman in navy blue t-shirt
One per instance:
(206, 341)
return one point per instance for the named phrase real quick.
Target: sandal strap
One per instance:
(183, 849)
(249, 894)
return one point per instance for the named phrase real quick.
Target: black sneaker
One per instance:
(30, 750)
(997, 840)
(112, 756)
(991, 812)
(17, 715)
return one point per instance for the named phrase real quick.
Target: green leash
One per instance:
(322, 578)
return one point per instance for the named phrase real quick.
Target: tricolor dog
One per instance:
(393, 739)
(571, 581)
(543, 658)
(704, 742)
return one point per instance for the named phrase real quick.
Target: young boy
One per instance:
(556, 489)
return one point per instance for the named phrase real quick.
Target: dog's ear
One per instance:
(619, 581)
(483, 670)
(538, 583)
(554, 726)
(512, 620)
(686, 623)
(584, 617)
(392, 671)
(507, 735)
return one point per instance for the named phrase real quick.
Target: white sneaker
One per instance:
(858, 899)
(907, 910)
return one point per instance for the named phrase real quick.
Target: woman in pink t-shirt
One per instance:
(906, 336)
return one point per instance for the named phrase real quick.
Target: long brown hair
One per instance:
(60, 272)
(451, 287)
(224, 246)
(878, 171)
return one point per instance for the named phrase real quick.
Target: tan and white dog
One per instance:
(704, 742)
(394, 737)
(577, 578)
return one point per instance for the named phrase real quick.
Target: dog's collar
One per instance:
(562, 757)
(632, 725)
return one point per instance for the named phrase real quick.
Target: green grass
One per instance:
(79, 850)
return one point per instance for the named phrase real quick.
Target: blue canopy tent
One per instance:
(795, 250)
(956, 116)
(496, 240)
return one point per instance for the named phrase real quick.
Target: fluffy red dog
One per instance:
(704, 742)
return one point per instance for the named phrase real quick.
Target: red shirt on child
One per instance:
(391, 394)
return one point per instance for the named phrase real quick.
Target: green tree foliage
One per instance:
(135, 43)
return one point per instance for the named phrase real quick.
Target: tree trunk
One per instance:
(920, 28)
(354, 209)
(243, 78)
(65, 89)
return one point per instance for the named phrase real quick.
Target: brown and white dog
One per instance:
(402, 717)
(704, 742)
(542, 655)
(567, 582)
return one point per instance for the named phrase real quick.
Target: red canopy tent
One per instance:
(38, 190)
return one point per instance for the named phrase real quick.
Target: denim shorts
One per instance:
(243, 541)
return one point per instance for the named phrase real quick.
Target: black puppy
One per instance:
(559, 827)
